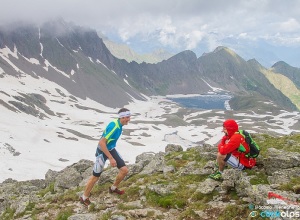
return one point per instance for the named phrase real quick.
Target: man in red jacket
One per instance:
(228, 150)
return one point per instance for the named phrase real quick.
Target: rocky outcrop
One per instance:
(165, 185)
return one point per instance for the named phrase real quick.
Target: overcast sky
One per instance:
(176, 23)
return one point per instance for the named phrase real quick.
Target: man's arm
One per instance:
(231, 145)
(103, 146)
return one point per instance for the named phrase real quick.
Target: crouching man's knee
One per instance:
(221, 156)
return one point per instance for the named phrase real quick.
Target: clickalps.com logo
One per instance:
(268, 213)
(275, 214)
(277, 206)
(265, 214)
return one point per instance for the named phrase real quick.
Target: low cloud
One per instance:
(175, 23)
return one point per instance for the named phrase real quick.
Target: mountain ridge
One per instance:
(77, 58)
(122, 51)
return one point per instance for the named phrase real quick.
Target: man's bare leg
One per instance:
(89, 186)
(221, 162)
(121, 175)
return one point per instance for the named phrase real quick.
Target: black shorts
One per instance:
(101, 159)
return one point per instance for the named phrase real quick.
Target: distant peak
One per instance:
(219, 48)
(187, 54)
(280, 63)
(226, 49)
(254, 62)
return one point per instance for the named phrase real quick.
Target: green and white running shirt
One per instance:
(112, 133)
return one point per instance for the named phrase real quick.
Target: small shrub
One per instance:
(188, 214)
(106, 216)
(232, 194)
(30, 206)
(8, 214)
(198, 196)
(281, 143)
(132, 193)
(259, 178)
(49, 188)
(166, 201)
(69, 195)
(290, 185)
(234, 212)
(64, 214)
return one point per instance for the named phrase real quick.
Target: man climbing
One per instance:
(232, 150)
(106, 150)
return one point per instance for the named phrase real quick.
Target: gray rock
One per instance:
(83, 217)
(144, 158)
(67, 179)
(168, 169)
(278, 159)
(155, 165)
(117, 217)
(173, 148)
(162, 189)
(50, 176)
(284, 176)
(207, 186)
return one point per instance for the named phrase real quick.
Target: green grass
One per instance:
(189, 213)
(204, 198)
(98, 189)
(290, 185)
(181, 159)
(257, 177)
(191, 179)
(64, 214)
(106, 216)
(182, 196)
(234, 212)
(8, 214)
(49, 188)
(69, 195)
(289, 143)
(232, 195)
(132, 193)
(165, 201)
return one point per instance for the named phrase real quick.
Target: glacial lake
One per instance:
(204, 101)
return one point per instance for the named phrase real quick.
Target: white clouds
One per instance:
(168, 33)
(193, 39)
(177, 23)
(291, 25)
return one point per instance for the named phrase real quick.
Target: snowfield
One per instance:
(31, 145)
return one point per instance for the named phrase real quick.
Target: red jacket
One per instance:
(232, 142)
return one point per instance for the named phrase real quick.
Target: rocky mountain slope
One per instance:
(167, 185)
(71, 56)
(78, 60)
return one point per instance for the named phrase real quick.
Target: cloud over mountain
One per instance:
(177, 25)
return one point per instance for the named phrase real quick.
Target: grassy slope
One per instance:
(285, 85)
(183, 198)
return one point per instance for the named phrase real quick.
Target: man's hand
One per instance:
(224, 139)
(113, 162)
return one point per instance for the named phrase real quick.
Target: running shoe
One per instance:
(120, 192)
(216, 176)
(85, 202)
